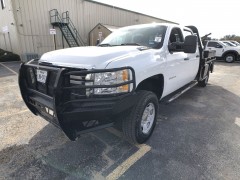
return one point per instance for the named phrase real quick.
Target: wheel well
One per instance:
(230, 52)
(154, 84)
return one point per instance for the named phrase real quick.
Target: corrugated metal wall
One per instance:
(33, 21)
(8, 40)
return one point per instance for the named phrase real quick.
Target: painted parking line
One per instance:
(237, 121)
(122, 168)
(8, 68)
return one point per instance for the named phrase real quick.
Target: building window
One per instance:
(3, 4)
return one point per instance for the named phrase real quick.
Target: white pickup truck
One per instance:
(121, 80)
(224, 51)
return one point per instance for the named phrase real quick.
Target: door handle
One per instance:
(197, 56)
(185, 59)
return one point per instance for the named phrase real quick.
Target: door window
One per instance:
(175, 40)
(176, 35)
(213, 44)
(186, 33)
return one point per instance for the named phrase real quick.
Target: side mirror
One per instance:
(190, 44)
(219, 46)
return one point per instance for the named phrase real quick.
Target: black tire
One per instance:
(204, 82)
(230, 58)
(131, 124)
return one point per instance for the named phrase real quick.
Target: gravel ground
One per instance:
(197, 137)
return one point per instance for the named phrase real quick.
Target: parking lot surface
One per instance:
(197, 136)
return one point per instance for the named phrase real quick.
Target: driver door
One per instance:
(179, 70)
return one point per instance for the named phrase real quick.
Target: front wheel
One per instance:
(229, 58)
(138, 125)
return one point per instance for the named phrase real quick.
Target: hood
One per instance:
(232, 48)
(88, 57)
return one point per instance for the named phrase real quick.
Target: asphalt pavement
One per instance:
(197, 136)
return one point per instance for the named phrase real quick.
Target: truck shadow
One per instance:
(191, 139)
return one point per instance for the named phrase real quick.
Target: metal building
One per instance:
(27, 26)
(99, 32)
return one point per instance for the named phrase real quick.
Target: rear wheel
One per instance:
(138, 125)
(229, 58)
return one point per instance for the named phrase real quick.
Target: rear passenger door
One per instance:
(182, 67)
(193, 60)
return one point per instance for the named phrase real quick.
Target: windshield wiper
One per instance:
(131, 44)
(103, 45)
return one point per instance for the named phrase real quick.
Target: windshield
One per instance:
(228, 43)
(236, 43)
(151, 36)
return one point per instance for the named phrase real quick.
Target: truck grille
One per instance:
(46, 88)
(76, 80)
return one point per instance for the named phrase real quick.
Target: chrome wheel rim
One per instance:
(148, 118)
(229, 58)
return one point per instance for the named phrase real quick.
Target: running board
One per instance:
(179, 92)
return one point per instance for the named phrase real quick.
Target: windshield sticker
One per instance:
(158, 39)
(150, 42)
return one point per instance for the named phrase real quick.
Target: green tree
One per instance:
(231, 37)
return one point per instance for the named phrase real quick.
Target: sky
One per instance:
(219, 17)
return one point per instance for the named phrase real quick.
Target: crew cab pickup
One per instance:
(121, 80)
(224, 51)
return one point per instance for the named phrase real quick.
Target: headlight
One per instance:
(112, 78)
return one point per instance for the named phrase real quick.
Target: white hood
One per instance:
(88, 57)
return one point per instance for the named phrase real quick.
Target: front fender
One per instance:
(230, 51)
(146, 64)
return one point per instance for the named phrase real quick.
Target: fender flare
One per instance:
(230, 51)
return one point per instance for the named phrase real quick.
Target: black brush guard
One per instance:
(68, 107)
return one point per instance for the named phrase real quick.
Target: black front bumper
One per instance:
(57, 102)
